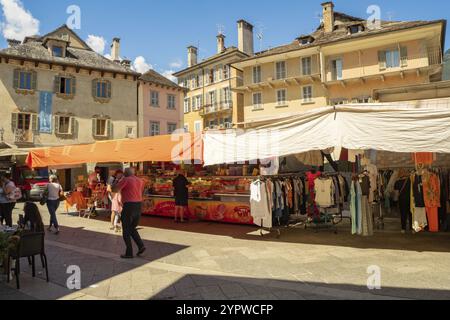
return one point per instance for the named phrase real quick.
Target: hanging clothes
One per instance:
(259, 204)
(311, 158)
(353, 208)
(403, 186)
(373, 175)
(324, 191)
(432, 199)
(425, 158)
(313, 211)
(419, 216)
(358, 208)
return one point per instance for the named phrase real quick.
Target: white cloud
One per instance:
(97, 43)
(140, 65)
(176, 64)
(19, 22)
(169, 75)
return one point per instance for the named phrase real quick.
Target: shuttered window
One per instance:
(25, 80)
(101, 89)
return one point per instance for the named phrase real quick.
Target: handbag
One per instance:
(62, 196)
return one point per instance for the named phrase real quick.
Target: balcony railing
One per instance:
(434, 56)
(217, 107)
(23, 136)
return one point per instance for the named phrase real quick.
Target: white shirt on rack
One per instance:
(259, 204)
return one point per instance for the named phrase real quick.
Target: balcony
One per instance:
(217, 107)
(23, 137)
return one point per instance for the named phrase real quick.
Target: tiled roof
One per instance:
(35, 50)
(227, 51)
(156, 78)
(343, 21)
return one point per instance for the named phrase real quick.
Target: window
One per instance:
(355, 29)
(212, 77)
(101, 89)
(257, 74)
(219, 73)
(23, 125)
(171, 127)
(25, 80)
(226, 96)
(280, 70)
(101, 127)
(64, 125)
(257, 101)
(338, 101)
(307, 94)
(336, 69)
(362, 100)
(130, 132)
(306, 66)
(187, 105)
(154, 128)
(226, 72)
(171, 102)
(198, 102)
(198, 126)
(281, 97)
(23, 121)
(57, 51)
(65, 86)
(212, 99)
(394, 58)
(154, 99)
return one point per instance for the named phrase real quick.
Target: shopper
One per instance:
(7, 199)
(132, 190)
(181, 193)
(54, 192)
(116, 202)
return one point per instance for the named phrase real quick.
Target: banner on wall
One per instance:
(45, 112)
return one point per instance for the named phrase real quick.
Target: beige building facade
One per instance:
(344, 61)
(210, 102)
(55, 90)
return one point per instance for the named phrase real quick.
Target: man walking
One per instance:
(131, 189)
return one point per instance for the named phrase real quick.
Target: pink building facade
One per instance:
(160, 105)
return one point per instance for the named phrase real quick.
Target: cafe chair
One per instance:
(30, 245)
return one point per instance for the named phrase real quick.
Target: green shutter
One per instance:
(94, 88)
(34, 122)
(73, 82)
(16, 80)
(56, 124)
(404, 56)
(109, 90)
(94, 127)
(57, 84)
(382, 60)
(33, 80)
(14, 121)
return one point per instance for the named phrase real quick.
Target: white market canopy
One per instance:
(398, 127)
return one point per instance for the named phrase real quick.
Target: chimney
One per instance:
(328, 16)
(220, 43)
(245, 37)
(192, 56)
(13, 42)
(115, 50)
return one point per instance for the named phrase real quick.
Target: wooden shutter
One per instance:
(14, 121)
(34, 122)
(57, 84)
(404, 56)
(382, 60)
(33, 80)
(72, 125)
(56, 124)
(16, 79)
(94, 88)
(73, 82)
(94, 127)
(109, 89)
(109, 129)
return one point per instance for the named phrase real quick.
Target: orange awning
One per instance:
(168, 148)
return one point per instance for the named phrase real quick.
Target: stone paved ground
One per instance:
(214, 261)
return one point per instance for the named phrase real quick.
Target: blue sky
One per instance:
(160, 30)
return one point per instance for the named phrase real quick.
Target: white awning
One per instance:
(384, 127)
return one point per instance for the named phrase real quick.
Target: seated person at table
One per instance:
(32, 221)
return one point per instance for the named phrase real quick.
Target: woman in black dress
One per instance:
(181, 193)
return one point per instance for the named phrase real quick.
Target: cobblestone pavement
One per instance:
(215, 261)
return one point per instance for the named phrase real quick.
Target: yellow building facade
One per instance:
(342, 62)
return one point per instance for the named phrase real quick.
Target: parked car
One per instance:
(31, 182)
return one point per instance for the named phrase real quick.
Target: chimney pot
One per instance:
(192, 56)
(245, 37)
(220, 43)
(115, 50)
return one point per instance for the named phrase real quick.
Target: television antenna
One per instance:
(221, 29)
(260, 35)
